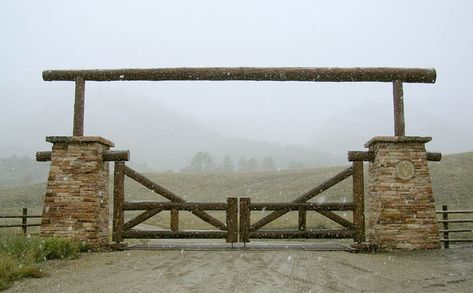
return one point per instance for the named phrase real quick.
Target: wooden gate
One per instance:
(238, 226)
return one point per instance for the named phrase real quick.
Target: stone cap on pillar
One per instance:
(397, 139)
(79, 139)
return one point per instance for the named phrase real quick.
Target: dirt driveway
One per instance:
(258, 271)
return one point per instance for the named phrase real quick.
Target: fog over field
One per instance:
(165, 123)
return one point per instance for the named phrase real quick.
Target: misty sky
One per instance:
(40, 35)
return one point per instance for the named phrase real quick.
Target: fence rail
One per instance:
(445, 230)
(24, 220)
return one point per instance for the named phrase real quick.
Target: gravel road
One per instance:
(258, 271)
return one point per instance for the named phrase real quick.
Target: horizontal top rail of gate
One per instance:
(314, 74)
(186, 206)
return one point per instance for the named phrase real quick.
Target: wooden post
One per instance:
(446, 244)
(174, 220)
(359, 202)
(232, 220)
(78, 128)
(118, 199)
(24, 220)
(245, 219)
(398, 95)
(302, 219)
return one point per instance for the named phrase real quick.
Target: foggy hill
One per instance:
(352, 129)
(161, 139)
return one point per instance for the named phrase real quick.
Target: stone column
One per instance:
(400, 206)
(76, 201)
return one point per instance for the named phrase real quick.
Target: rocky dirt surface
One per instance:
(258, 271)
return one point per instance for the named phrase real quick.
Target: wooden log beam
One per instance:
(434, 157)
(186, 206)
(78, 127)
(232, 220)
(118, 200)
(360, 156)
(245, 220)
(174, 220)
(43, 156)
(398, 100)
(358, 186)
(140, 218)
(369, 156)
(445, 212)
(108, 156)
(288, 234)
(151, 185)
(174, 235)
(314, 74)
(302, 220)
(19, 217)
(307, 206)
(116, 156)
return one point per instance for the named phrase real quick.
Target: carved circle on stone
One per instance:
(405, 169)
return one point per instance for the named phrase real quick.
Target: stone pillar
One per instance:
(76, 201)
(400, 206)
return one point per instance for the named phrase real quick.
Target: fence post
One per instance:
(24, 220)
(118, 199)
(232, 220)
(359, 202)
(302, 219)
(446, 244)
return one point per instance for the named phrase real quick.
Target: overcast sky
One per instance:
(40, 35)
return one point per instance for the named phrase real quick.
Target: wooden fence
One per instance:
(24, 221)
(445, 229)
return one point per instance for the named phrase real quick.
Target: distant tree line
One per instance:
(204, 162)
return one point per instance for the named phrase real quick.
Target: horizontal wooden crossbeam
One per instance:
(308, 206)
(107, 156)
(369, 156)
(313, 74)
(288, 234)
(173, 235)
(187, 206)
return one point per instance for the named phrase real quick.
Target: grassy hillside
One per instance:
(452, 183)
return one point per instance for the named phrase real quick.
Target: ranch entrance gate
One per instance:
(400, 203)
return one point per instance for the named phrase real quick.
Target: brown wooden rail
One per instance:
(24, 220)
(369, 156)
(108, 156)
(445, 230)
(314, 74)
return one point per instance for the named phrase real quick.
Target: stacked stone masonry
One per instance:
(400, 211)
(76, 201)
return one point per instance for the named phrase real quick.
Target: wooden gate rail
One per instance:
(446, 230)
